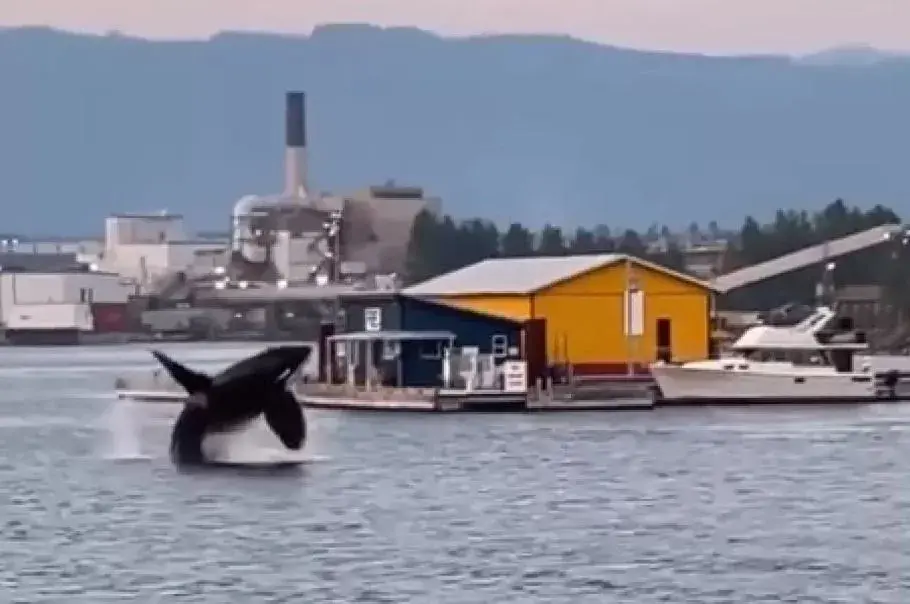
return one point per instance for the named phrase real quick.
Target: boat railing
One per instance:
(816, 320)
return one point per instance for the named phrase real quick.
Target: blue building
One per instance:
(408, 336)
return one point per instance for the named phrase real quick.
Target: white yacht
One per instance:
(812, 361)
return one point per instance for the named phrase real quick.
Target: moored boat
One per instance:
(814, 361)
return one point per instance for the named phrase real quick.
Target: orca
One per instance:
(233, 398)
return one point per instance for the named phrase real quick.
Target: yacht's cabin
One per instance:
(839, 358)
(809, 343)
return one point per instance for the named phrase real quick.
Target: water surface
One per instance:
(795, 505)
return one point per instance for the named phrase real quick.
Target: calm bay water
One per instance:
(773, 505)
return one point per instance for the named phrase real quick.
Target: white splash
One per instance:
(124, 431)
(256, 444)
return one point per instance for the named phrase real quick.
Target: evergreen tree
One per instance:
(477, 240)
(631, 244)
(603, 240)
(517, 241)
(552, 243)
(583, 242)
(423, 259)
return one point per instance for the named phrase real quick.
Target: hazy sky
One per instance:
(713, 26)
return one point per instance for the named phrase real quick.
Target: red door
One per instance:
(534, 349)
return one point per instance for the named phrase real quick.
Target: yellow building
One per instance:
(602, 311)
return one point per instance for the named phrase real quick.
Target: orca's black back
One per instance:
(268, 365)
(243, 391)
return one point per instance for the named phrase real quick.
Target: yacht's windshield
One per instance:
(797, 357)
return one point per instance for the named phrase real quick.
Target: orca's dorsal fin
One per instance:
(192, 381)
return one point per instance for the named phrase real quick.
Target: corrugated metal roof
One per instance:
(806, 257)
(524, 275)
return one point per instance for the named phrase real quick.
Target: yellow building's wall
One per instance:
(689, 325)
(583, 328)
(513, 307)
(585, 317)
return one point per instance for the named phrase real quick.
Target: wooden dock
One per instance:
(157, 387)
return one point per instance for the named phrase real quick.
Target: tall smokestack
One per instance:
(295, 159)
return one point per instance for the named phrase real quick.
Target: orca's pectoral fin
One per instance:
(192, 381)
(187, 435)
(284, 416)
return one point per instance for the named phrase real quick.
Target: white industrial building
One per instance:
(148, 248)
(58, 301)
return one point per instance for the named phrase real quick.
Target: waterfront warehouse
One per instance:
(603, 312)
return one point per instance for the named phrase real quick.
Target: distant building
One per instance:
(151, 248)
(377, 224)
(705, 260)
(55, 307)
(865, 304)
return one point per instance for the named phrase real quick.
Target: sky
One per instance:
(708, 26)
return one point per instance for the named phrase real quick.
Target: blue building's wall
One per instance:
(422, 360)
(470, 328)
(355, 307)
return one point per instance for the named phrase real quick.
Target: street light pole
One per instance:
(333, 232)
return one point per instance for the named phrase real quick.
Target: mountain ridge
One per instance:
(518, 127)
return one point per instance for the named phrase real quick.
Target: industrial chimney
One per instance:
(295, 160)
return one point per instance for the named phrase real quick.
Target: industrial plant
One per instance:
(277, 274)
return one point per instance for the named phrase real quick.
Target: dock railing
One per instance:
(376, 392)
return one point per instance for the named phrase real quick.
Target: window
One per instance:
(634, 311)
(500, 346)
(341, 320)
(372, 319)
(430, 350)
(390, 350)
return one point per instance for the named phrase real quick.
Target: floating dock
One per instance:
(158, 387)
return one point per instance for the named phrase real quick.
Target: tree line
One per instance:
(439, 244)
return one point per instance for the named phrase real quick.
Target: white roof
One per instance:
(523, 275)
(806, 257)
(795, 337)
(391, 335)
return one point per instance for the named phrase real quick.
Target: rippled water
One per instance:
(733, 506)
